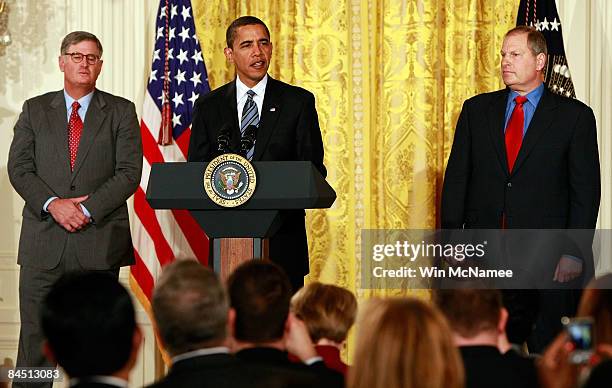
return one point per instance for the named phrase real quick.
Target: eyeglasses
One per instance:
(91, 59)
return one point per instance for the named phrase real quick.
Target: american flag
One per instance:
(543, 16)
(178, 76)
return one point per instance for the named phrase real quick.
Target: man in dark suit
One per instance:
(190, 309)
(525, 158)
(75, 159)
(478, 321)
(264, 332)
(287, 121)
(90, 329)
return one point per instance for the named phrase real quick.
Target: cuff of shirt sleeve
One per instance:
(47, 204)
(312, 360)
(576, 259)
(85, 211)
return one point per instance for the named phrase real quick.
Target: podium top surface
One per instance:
(280, 186)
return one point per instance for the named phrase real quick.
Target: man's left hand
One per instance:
(567, 269)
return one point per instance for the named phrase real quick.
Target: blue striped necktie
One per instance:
(250, 116)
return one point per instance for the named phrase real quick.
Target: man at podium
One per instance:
(286, 123)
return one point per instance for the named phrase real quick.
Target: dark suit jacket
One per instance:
(555, 182)
(90, 384)
(277, 364)
(108, 167)
(486, 367)
(289, 130)
(215, 370)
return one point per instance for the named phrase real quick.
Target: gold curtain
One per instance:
(389, 79)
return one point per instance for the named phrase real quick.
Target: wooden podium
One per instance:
(240, 233)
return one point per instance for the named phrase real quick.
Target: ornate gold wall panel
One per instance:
(389, 79)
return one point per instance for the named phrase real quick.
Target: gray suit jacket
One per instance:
(107, 168)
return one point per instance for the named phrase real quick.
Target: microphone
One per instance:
(223, 139)
(248, 139)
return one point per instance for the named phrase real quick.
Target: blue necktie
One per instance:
(250, 116)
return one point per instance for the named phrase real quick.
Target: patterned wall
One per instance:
(389, 80)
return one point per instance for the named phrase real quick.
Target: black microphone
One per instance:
(223, 139)
(248, 139)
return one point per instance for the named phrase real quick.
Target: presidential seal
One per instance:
(229, 180)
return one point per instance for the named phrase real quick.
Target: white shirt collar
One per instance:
(259, 89)
(108, 380)
(201, 352)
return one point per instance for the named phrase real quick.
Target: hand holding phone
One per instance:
(580, 333)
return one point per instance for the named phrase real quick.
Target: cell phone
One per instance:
(580, 333)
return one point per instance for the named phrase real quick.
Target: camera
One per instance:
(580, 333)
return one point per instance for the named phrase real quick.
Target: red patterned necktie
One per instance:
(514, 131)
(75, 128)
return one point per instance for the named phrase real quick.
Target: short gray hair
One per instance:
(76, 37)
(190, 307)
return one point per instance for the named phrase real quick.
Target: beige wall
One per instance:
(29, 67)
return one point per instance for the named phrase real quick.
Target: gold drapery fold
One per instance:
(389, 79)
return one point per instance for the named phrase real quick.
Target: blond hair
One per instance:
(328, 311)
(404, 343)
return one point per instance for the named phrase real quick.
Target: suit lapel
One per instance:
(540, 123)
(58, 124)
(93, 123)
(496, 114)
(270, 112)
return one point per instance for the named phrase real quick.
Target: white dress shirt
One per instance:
(201, 352)
(241, 95)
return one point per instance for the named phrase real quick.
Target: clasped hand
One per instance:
(68, 213)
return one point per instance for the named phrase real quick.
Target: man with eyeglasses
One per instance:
(75, 158)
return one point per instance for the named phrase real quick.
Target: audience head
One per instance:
(404, 343)
(259, 293)
(328, 311)
(190, 307)
(596, 302)
(522, 309)
(473, 313)
(89, 324)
